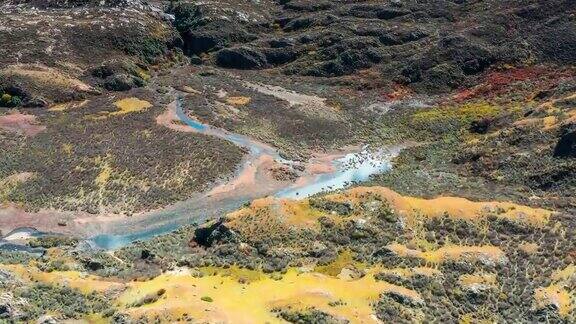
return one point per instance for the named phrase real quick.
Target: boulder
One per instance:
(213, 232)
(94, 265)
(119, 75)
(374, 11)
(10, 307)
(279, 56)
(391, 38)
(566, 145)
(481, 126)
(281, 43)
(241, 58)
(78, 3)
(122, 82)
(308, 5)
(111, 67)
(202, 32)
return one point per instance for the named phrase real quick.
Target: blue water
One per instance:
(350, 169)
(189, 121)
(112, 242)
(237, 139)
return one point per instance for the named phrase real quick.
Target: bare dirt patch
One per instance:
(21, 123)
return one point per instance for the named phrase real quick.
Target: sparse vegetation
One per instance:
(96, 173)
(70, 303)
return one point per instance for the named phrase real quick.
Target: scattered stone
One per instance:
(480, 126)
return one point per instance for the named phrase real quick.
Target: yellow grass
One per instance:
(130, 105)
(68, 105)
(67, 148)
(189, 90)
(238, 101)
(123, 107)
(565, 275)
(252, 303)
(454, 207)
(104, 175)
(549, 122)
(74, 279)
(554, 295)
(232, 301)
(334, 268)
(11, 182)
(45, 75)
(234, 272)
(17, 178)
(467, 112)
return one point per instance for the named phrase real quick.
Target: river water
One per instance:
(346, 170)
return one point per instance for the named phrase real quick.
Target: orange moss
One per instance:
(238, 101)
(270, 215)
(529, 248)
(454, 207)
(556, 296)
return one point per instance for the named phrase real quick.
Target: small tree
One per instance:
(7, 100)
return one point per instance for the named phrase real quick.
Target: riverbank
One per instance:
(256, 177)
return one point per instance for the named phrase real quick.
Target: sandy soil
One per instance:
(254, 179)
(13, 217)
(21, 123)
(170, 120)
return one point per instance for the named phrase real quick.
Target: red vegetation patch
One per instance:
(398, 92)
(498, 82)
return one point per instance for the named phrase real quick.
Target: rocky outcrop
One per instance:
(120, 75)
(204, 29)
(241, 58)
(211, 233)
(566, 146)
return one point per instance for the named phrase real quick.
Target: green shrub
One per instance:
(207, 299)
(187, 15)
(16, 101)
(7, 100)
(71, 303)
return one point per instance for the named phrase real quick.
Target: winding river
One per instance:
(345, 170)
